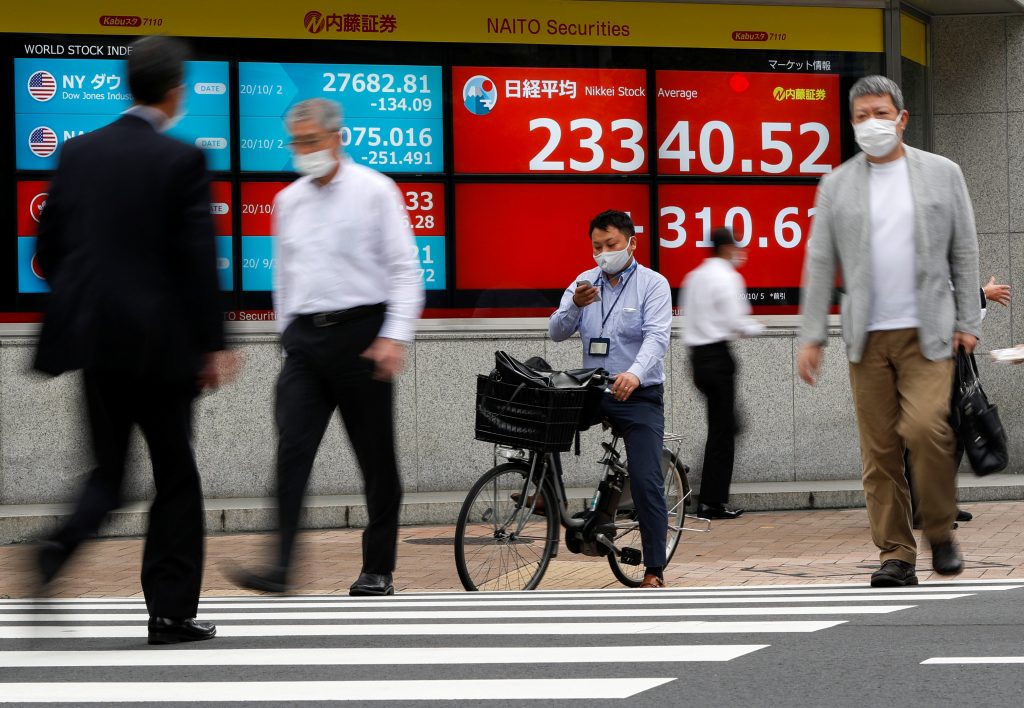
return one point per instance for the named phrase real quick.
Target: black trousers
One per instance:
(641, 420)
(172, 562)
(714, 373)
(324, 372)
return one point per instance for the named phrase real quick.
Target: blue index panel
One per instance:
(258, 262)
(100, 87)
(28, 279)
(392, 114)
(430, 250)
(225, 271)
(386, 144)
(38, 138)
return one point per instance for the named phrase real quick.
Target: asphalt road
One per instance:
(808, 645)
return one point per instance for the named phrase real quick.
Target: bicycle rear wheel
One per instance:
(627, 528)
(499, 543)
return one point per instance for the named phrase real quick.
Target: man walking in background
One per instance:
(126, 244)
(897, 224)
(715, 306)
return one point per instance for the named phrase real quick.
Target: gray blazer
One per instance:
(946, 252)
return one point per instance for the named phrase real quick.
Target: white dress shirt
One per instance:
(344, 245)
(714, 303)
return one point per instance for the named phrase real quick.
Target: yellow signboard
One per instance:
(562, 22)
(913, 39)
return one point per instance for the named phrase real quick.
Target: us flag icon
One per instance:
(42, 86)
(42, 141)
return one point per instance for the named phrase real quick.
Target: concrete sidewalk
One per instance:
(789, 547)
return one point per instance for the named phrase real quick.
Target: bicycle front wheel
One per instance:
(503, 541)
(627, 528)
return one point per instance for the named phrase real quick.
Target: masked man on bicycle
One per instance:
(623, 312)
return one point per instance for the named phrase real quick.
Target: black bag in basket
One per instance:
(529, 404)
(981, 431)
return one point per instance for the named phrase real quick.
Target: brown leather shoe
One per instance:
(652, 581)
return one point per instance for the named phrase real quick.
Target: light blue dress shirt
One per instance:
(638, 324)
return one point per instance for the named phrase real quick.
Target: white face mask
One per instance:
(613, 262)
(877, 137)
(315, 164)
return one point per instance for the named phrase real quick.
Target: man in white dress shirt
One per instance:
(347, 292)
(715, 306)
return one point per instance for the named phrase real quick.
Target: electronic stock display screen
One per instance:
(503, 155)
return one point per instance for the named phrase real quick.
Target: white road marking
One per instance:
(470, 629)
(975, 660)
(364, 656)
(287, 691)
(401, 615)
(494, 601)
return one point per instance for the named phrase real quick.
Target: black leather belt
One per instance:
(326, 319)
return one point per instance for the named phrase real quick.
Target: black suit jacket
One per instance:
(126, 244)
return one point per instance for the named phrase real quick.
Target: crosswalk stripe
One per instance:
(402, 615)
(364, 656)
(473, 629)
(905, 596)
(975, 660)
(967, 585)
(287, 691)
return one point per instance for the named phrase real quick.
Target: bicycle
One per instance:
(507, 532)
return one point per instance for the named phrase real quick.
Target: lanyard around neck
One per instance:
(604, 317)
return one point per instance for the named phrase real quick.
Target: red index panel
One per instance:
(220, 207)
(534, 236)
(728, 123)
(31, 200)
(772, 222)
(258, 207)
(424, 203)
(549, 121)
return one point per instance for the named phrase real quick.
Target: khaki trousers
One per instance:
(902, 400)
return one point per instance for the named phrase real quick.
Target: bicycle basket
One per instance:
(540, 419)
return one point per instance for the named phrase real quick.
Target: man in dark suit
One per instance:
(126, 244)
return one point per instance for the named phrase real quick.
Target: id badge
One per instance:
(599, 346)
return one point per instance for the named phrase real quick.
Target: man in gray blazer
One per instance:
(896, 224)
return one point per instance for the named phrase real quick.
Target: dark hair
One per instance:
(618, 219)
(155, 66)
(720, 238)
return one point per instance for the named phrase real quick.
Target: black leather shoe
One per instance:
(963, 515)
(717, 511)
(50, 558)
(164, 630)
(271, 578)
(946, 558)
(894, 574)
(372, 584)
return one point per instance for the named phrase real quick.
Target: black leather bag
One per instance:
(980, 429)
(536, 371)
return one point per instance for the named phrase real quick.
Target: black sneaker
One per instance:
(963, 515)
(894, 574)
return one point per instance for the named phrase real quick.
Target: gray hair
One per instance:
(325, 113)
(877, 86)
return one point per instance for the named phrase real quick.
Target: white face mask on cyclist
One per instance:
(613, 262)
